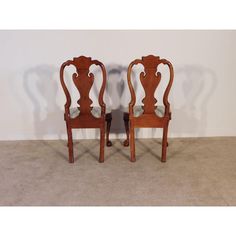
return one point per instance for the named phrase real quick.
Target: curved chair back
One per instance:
(150, 79)
(83, 80)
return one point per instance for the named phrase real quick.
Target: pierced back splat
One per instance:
(150, 80)
(83, 81)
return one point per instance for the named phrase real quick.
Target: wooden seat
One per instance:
(96, 111)
(138, 110)
(84, 116)
(149, 115)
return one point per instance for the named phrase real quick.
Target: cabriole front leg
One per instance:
(126, 123)
(108, 120)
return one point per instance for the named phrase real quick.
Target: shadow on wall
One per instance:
(41, 87)
(193, 85)
(116, 96)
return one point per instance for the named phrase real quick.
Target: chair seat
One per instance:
(96, 111)
(160, 110)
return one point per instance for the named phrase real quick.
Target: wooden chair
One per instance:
(84, 116)
(149, 115)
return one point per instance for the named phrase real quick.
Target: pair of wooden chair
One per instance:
(86, 116)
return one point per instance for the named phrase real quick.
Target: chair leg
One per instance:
(108, 120)
(132, 143)
(102, 143)
(67, 133)
(126, 122)
(167, 144)
(164, 143)
(70, 144)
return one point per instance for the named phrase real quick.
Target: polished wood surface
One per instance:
(108, 120)
(83, 81)
(150, 79)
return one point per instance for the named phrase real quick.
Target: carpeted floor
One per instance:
(198, 172)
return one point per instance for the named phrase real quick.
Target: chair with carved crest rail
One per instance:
(84, 116)
(149, 115)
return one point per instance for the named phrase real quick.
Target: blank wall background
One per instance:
(202, 98)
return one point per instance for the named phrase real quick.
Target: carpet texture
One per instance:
(198, 172)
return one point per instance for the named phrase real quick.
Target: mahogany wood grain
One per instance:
(83, 81)
(150, 79)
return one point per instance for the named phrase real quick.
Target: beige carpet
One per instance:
(198, 171)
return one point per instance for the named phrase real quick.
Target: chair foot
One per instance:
(126, 143)
(101, 161)
(109, 143)
(133, 160)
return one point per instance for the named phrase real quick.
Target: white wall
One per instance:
(202, 98)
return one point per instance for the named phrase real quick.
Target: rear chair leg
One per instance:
(102, 144)
(132, 144)
(67, 134)
(108, 120)
(164, 143)
(126, 122)
(70, 144)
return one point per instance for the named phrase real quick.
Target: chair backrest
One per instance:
(150, 79)
(83, 80)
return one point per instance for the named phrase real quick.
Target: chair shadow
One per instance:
(196, 84)
(119, 95)
(87, 150)
(147, 150)
(119, 150)
(64, 156)
(41, 88)
(76, 144)
(113, 94)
